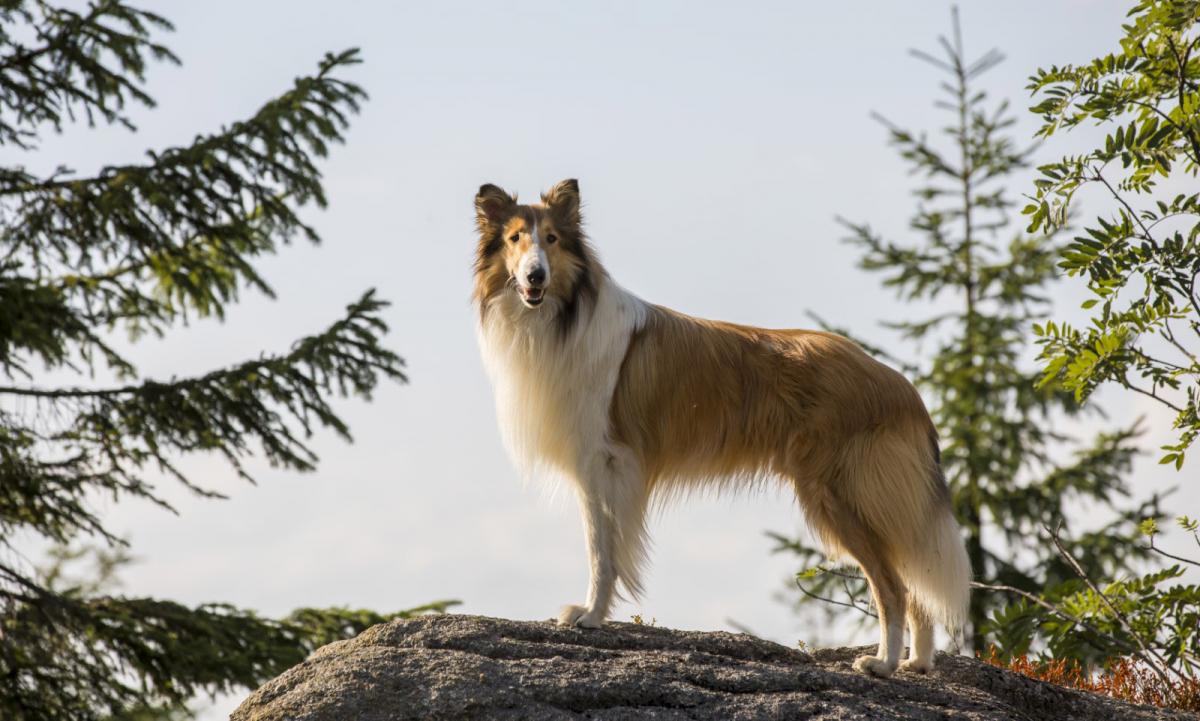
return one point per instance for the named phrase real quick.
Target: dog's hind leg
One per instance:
(920, 653)
(889, 595)
(612, 500)
(840, 524)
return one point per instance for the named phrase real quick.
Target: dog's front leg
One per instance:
(612, 498)
(602, 577)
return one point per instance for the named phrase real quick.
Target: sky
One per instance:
(715, 144)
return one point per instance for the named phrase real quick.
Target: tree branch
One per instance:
(1149, 655)
(1100, 177)
(1035, 599)
(834, 601)
(1181, 64)
(1172, 556)
(1149, 394)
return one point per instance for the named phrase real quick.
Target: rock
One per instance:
(473, 667)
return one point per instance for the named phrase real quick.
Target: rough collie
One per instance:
(635, 402)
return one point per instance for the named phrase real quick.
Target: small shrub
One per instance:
(1122, 678)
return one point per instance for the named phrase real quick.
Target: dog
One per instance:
(636, 403)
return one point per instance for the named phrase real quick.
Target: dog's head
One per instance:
(537, 252)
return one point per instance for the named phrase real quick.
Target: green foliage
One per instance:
(1141, 261)
(1010, 466)
(312, 628)
(142, 248)
(1141, 258)
(82, 650)
(1153, 617)
(1162, 616)
(89, 63)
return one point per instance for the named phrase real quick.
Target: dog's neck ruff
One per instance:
(554, 390)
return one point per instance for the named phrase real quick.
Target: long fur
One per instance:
(637, 403)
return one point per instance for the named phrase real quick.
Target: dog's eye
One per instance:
(514, 237)
(551, 238)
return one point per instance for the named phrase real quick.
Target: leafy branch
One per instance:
(1142, 261)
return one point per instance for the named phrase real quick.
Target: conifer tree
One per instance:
(1002, 444)
(139, 249)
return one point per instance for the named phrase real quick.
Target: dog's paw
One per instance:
(579, 616)
(570, 614)
(917, 665)
(874, 666)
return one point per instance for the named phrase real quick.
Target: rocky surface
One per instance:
(472, 667)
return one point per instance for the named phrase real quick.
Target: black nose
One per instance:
(537, 276)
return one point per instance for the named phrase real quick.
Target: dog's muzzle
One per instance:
(531, 297)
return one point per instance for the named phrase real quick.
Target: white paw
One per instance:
(579, 616)
(917, 665)
(874, 665)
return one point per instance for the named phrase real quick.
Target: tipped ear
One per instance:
(563, 201)
(492, 205)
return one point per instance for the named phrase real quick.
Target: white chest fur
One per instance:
(553, 391)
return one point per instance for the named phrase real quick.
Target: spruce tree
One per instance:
(140, 249)
(1004, 454)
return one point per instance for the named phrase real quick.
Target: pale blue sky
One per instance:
(714, 144)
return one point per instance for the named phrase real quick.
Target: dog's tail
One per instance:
(936, 570)
(899, 491)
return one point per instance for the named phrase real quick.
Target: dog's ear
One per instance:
(563, 202)
(492, 206)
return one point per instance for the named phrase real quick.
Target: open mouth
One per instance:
(532, 296)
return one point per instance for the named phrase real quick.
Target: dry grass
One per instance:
(1122, 678)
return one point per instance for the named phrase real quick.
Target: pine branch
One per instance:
(68, 655)
(93, 63)
(220, 183)
(144, 246)
(271, 405)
